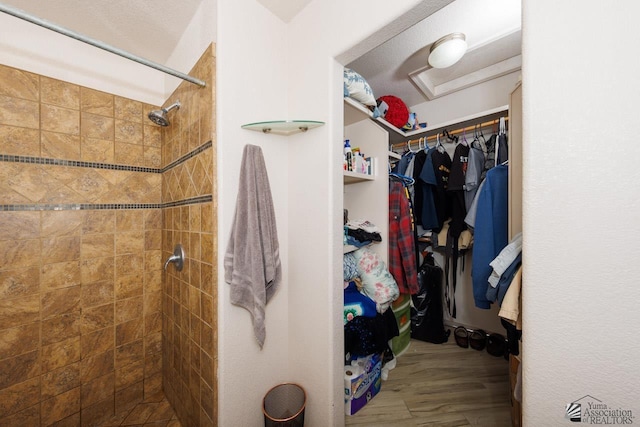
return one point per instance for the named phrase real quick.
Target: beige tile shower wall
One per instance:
(189, 297)
(80, 290)
(49, 118)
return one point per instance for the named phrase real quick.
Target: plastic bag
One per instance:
(426, 313)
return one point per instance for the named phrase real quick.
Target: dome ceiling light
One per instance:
(447, 50)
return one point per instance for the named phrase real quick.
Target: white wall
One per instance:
(199, 34)
(251, 87)
(267, 71)
(581, 206)
(475, 99)
(467, 314)
(32, 48)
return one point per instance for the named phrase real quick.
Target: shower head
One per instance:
(159, 117)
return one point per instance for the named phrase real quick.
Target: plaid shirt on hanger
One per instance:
(402, 257)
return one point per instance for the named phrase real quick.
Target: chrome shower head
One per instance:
(159, 117)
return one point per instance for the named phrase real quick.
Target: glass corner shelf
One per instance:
(283, 127)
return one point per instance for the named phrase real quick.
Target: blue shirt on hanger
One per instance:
(491, 229)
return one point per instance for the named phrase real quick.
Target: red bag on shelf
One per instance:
(397, 112)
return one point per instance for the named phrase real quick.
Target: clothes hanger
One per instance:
(483, 141)
(464, 138)
(453, 139)
(496, 150)
(475, 141)
(406, 180)
(439, 145)
(409, 148)
(501, 132)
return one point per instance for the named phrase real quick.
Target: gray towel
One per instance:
(252, 260)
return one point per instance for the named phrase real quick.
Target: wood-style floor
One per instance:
(441, 385)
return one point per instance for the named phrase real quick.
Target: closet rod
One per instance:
(97, 43)
(454, 132)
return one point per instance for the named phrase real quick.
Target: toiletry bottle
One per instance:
(347, 154)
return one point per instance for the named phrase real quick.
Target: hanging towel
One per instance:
(252, 260)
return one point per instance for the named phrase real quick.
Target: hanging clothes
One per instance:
(503, 149)
(418, 190)
(429, 216)
(441, 163)
(401, 166)
(491, 230)
(426, 310)
(473, 177)
(402, 258)
(498, 292)
(456, 188)
(511, 309)
(489, 156)
(470, 219)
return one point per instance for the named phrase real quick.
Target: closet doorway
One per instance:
(476, 89)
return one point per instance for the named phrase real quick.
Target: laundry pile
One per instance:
(369, 324)
(361, 233)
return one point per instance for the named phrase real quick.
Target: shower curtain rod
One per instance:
(97, 43)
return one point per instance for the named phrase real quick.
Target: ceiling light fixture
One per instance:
(447, 50)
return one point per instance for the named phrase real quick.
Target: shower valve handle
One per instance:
(177, 258)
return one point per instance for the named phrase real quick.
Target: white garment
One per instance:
(363, 224)
(505, 259)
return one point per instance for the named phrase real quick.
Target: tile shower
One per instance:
(93, 197)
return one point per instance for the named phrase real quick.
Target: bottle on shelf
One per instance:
(348, 155)
(358, 168)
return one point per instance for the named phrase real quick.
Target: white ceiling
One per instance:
(285, 9)
(149, 29)
(399, 66)
(152, 29)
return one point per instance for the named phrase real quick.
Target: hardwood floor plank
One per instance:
(390, 409)
(441, 385)
(442, 420)
(488, 418)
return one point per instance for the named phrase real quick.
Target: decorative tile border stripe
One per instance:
(75, 163)
(186, 157)
(191, 201)
(95, 165)
(104, 206)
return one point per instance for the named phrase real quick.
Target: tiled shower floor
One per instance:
(155, 411)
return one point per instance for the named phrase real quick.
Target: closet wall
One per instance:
(485, 96)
